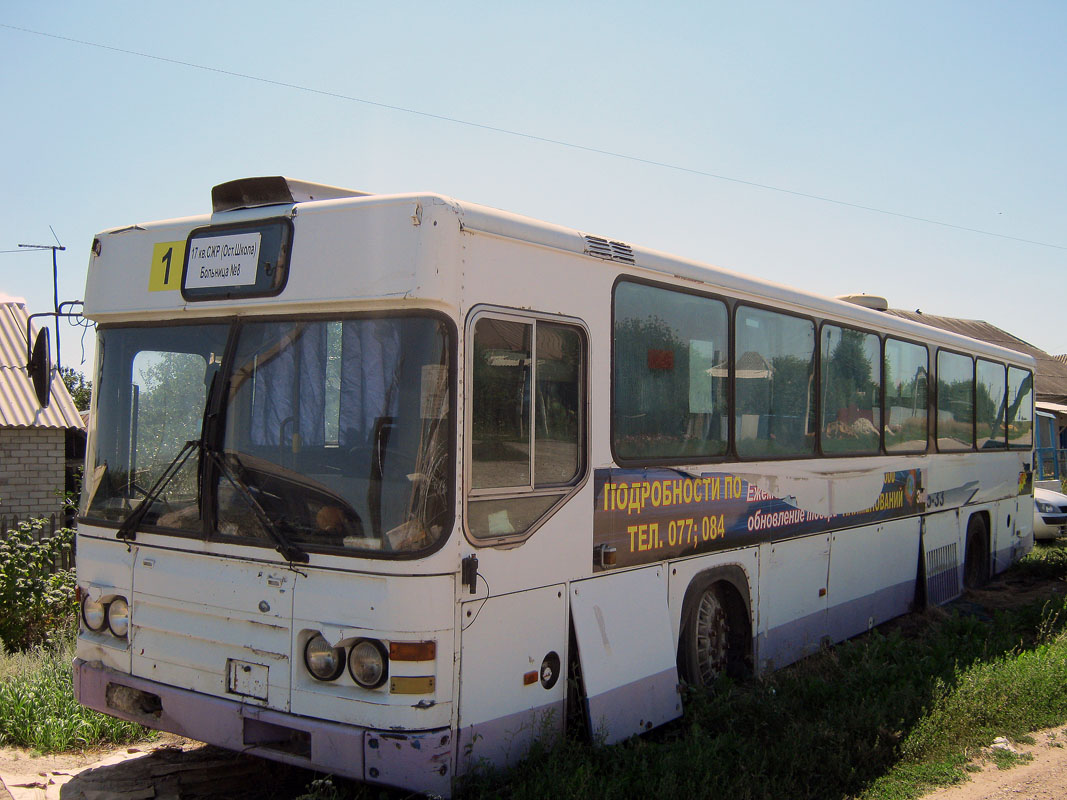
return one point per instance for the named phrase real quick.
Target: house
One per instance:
(39, 447)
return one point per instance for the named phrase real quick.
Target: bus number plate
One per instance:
(246, 679)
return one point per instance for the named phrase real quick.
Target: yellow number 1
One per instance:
(168, 258)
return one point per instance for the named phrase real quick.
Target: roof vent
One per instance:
(871, 301)
(273, 191)
(609, 251)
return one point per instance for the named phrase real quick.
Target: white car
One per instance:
(1050, 514)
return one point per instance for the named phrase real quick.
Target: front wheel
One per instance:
(714, 635)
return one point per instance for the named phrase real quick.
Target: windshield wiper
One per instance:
(290, 551)
(128, 528)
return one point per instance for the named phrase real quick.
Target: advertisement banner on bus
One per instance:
(649, 515)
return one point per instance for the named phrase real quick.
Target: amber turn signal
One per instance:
(412, 651)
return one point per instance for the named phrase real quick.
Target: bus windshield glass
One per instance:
(334, 433)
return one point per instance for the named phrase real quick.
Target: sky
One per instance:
(909, 149)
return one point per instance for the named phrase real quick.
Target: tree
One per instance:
(80, 388)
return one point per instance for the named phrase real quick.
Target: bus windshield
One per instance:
(334, 433)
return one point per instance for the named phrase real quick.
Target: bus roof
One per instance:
(251, 198)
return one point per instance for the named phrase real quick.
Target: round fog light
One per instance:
(324, 662)
(367, 663)
(94, 615)
(118, 617)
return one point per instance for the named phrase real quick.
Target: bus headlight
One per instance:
(367, 663)
(94, 615)
(324, 662)
(118, 617)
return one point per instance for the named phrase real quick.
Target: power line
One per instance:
(529, 136)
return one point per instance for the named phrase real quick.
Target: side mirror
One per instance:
(40, 367)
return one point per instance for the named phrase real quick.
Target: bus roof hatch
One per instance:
(272, 191)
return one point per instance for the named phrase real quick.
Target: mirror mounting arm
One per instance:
(39, 354)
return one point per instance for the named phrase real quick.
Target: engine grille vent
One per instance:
(942, 575)
(608, 250)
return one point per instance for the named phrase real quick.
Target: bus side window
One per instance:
(774, 384)
(527, 425)
(991, 394)
(905, 376)
(669, 374)
(955, 401)
(851, 386)
(1020, 410)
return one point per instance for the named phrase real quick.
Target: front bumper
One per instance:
(1049, 526)
(422, 762)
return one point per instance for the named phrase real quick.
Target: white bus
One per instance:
(390, 486)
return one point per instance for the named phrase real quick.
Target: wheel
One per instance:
(976, 558)
(714, 635)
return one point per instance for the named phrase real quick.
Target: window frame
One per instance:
(562, 491)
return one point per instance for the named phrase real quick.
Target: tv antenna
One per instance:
(37, 353)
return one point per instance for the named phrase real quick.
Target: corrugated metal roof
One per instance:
(18, 403)
(1050, 379)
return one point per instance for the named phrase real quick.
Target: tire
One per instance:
(976, 558)
(714, 636)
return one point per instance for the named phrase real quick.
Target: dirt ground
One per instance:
(173, 768)
(1043, 778)
(169, 768)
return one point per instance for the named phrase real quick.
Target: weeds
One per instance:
(1048, 560)
(1006, 759)
(38, 709)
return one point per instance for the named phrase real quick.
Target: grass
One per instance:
(38, 709)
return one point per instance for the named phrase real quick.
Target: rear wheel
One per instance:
(976, 559)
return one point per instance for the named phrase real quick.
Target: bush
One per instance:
(37, 598)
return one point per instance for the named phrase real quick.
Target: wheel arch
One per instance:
(731, 574)
(738, 595)
(979, 523)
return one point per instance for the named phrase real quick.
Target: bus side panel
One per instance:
(506, 698)
(872, 575)
(1014, 533)
(793, 599)
(629, 669)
